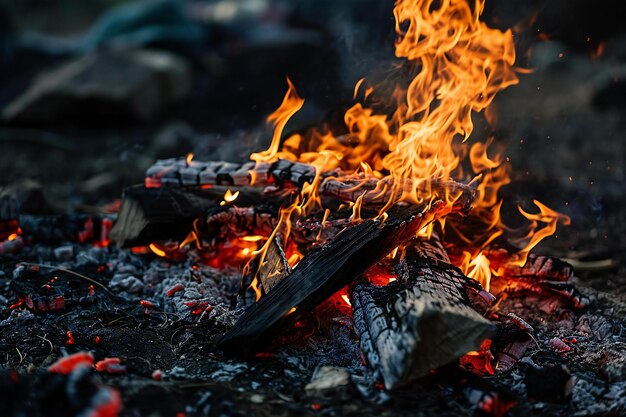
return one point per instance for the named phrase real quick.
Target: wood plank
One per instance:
(322, 273)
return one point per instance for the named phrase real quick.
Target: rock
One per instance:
(161, 23)
(550, 383)
(328, 377)
(64, 253)
(104, 87)
(127, 283)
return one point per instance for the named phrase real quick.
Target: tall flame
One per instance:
(459, 65)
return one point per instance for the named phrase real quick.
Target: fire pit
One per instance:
(373, 263)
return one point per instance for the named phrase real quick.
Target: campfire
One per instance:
(385, 231)
(396, 213)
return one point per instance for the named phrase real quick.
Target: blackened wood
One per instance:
(419, 322)
(79, 228)
(149, 214)
(179, 172)
(321, 274)
(284, 173)
(538, 267)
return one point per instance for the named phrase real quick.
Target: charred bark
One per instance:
(321, 274)
(419, 322)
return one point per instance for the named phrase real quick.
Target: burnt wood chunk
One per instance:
(286, 174)
(419, 322)
(149, 214)
(321, 274)
(269, 270)
(541, 267)
(181, 173)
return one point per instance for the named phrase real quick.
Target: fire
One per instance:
(546, 215)
(421, 138)
(189, 158)
(290, 105)
(229, 197)
(478, 269)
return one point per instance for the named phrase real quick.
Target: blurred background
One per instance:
(92, 92)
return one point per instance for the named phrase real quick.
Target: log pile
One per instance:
(422, 320)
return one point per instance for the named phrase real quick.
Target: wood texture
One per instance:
(321, 274)
(419, 322)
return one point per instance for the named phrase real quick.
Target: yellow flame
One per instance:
(229, 197)
(189, 158)
(346, 299)
(290, 105)
(547, 216)
(157, 251)
(479, 269)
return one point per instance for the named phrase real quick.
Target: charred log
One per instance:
(321, 274)
(149, 214)
(419, 322)
(284, 174)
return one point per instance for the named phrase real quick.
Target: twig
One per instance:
(21, 357)
(76, 274)
(49, 342)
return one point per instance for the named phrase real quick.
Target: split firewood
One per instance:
(150, 214)
(419, 322)
(324, 272)
(269, 269)
(180, 172)
(374, 190)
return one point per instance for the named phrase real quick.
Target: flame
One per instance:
(189, 158)
(290, 105)
(478, 268)
(547, 216)
(346, 299)
(229, 197)
(420, 135)
(157, 251)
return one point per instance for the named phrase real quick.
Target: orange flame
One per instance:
(290, 105)
(459, 65)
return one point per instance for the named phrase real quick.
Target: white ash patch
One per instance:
(201, 291)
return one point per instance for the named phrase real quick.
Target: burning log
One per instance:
(419, 322)
(285, 174)
(540, 274)
(324, 272)
(80, 228)
(183, 173)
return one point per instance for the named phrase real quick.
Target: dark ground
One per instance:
(563, 128)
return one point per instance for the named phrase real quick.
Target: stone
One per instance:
(64, 253)
(104, 87)
(328, 377)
